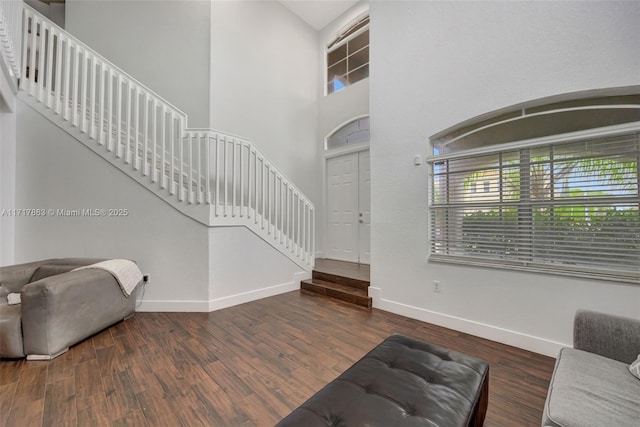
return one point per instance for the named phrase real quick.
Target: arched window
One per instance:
(354, 132)
(348, 56)
(546, 188)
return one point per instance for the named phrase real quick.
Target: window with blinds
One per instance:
(568, 204)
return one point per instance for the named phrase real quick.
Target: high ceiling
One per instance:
(318, 13)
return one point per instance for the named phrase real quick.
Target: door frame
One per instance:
(329, 154)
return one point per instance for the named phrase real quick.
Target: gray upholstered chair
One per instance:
(58, 308)
(591, 383)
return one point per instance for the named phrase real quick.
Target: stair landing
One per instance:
(346, 281)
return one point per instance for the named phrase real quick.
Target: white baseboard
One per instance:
(493, 333)
(230, 301)
(224, 302)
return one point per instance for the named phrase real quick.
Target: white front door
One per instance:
(348, 207)
(364, 207)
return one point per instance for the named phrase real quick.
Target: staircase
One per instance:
(215, 178)
(341, 280)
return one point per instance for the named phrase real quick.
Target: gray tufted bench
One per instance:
(401, 382)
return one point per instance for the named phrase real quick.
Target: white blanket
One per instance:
(126, 272)
(13, 298)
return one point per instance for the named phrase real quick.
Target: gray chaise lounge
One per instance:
(59, 307)
(591, 384)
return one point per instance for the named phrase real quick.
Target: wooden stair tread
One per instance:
(338, 287)
(339, 291)
(335, 278)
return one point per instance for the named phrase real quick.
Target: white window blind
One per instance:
(569, 207)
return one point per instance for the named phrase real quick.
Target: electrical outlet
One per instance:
(145, 278)
(436, 286)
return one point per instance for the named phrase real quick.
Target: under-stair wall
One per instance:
(193, 267)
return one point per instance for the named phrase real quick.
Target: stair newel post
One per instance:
(136, 131)
(304, 236)
(292, 220)
(49, 75)
(312, 246)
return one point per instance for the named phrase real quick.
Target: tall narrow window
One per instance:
(348, 57)
(567, 203)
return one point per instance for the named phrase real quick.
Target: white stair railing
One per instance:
(11, 36)
(147, 137)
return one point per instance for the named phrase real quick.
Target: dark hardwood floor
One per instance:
(248, 365)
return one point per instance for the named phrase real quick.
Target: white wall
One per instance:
(53, 11)
(54, 171)
(245, 268)
(7, 170)
(264, 74)
(340, 107)
(163, 44)
(435, 64)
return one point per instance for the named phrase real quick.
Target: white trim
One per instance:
(224, 302)
(524, 115)
(605, 131)
(345, 29)
(337, 151)
(355, 148)
(482, 330)
(540, 102)
(241, 298)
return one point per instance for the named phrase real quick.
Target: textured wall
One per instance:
(435, 64)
